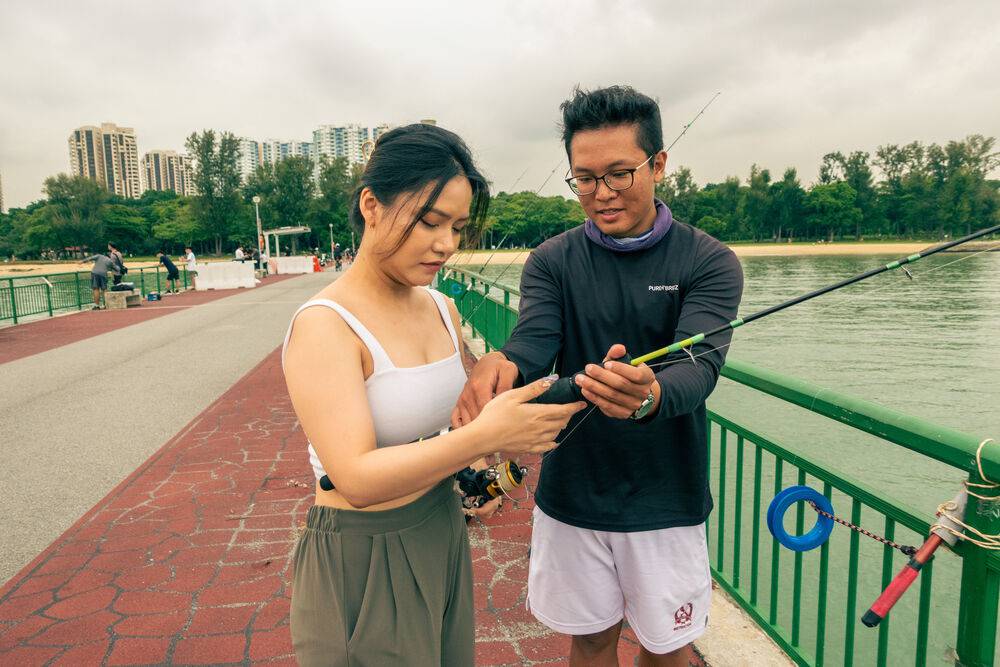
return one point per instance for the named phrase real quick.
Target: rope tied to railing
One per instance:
(964, 531)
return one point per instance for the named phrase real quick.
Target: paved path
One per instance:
(188, 561)
(22, 340)
(77, 419)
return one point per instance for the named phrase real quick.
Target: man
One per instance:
(240, 255)
(191, 265)
(99, 277)
(172, 273)
(119, 263)
(338, 256)
(619, 524)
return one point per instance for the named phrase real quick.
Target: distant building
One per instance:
(344, 141)
(250, 157)
(109, 155)
(166, 170)
(254, 154)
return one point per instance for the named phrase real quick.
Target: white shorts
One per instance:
(584, 581)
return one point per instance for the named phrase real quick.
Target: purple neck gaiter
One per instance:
(661, 225)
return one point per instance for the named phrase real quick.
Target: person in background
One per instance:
(191, 265)
(172, 273)
(338, 256)
(99, 277)
(240, 255)
(119, 263)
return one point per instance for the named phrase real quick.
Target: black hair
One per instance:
(609, 107)
(407, 159)
(112, 245)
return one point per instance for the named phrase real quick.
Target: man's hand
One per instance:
(617, 389)
(493, 374)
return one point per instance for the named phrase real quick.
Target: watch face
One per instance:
(644, 408)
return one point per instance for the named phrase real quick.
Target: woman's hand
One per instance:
(511, 424)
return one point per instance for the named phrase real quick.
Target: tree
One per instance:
(217, 206)
(757, 203)
(332, 206)
(830, 208)
(787, 197)
(73, 213)
(680, 193)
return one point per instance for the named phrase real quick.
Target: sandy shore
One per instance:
(21, 269)
(741, 250)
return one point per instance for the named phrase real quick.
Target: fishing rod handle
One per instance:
(890, 596)
(566, 390)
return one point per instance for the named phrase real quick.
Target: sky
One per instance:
(798, 79)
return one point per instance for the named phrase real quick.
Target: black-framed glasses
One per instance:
(617, 180)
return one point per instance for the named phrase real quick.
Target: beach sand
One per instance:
(741, 250)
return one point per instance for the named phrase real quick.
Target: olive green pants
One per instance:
(381, 588)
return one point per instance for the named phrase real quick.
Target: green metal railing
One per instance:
(810, 603)
(25, 296)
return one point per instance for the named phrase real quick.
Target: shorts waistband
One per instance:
(333, 519)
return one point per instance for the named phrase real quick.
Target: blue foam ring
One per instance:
(819, 534)
(456, 289)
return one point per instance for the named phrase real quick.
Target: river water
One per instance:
(928, 347)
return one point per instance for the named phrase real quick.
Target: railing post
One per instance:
(980, 589)
(79, 297)
(48, 296)
(158, 290)
(13, 299)
(486, 327)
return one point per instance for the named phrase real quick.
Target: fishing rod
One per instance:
(686, 127)
(500, 245)
(565, 389)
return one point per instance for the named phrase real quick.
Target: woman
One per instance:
(382, 571)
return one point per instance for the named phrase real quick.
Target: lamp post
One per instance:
(331, 239)
(260, 234)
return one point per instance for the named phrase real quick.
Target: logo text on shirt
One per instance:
(663, 288)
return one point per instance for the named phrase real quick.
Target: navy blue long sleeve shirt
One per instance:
(579, 298)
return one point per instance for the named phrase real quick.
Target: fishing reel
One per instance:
(481, 486)
(566, 390)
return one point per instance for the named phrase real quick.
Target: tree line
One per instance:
(77, 215)
(909, 191)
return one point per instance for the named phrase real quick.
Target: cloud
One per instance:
(798, 80)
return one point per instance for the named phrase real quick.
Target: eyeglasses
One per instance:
(617, 180)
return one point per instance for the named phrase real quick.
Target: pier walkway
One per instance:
(155, 483)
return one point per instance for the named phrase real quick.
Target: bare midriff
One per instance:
(335, 499)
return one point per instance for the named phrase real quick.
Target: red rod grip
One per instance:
(900, 583)
(894, 590)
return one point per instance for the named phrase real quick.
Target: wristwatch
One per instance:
(644, 407)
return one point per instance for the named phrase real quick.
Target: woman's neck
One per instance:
(365, 274)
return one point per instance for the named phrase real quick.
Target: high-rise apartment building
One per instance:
(166, 170)
(109, 155)
(344, 141)
(254, 153)
(251, 157)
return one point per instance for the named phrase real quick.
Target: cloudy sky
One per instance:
(797, 81)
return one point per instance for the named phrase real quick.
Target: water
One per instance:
(928, 347)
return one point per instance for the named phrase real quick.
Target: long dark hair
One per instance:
(406, 159)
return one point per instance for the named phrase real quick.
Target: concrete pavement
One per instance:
(77, 419)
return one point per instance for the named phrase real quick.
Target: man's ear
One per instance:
(659, 166)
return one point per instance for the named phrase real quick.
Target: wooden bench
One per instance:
(122, 300)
